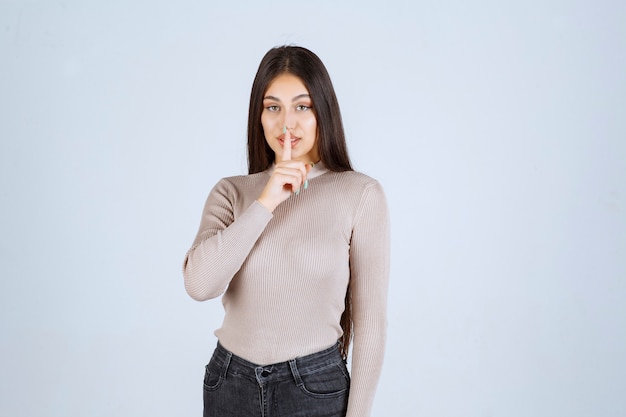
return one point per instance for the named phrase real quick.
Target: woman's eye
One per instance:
(272, 108)
(302, 107)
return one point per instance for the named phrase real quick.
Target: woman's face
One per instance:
(287, 103)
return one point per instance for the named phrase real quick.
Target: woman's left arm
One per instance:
(369, 278)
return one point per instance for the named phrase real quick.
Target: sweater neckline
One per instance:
(317, 170)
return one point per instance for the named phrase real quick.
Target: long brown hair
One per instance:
(331, 141)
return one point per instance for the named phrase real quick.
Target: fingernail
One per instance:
(297, 191)
(285, 129)
(306, 184)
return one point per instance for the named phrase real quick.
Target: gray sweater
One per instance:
(283, 275)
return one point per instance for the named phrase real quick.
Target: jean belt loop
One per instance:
(226, 364)
(295, 373)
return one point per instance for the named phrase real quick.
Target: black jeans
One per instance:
(316, 385)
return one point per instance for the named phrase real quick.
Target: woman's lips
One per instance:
(294, 141)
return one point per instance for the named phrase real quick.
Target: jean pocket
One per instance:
(328, 382)
(212, 376)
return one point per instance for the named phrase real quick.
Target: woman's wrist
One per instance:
(268, 205)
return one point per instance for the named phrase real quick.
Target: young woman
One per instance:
(299, 248)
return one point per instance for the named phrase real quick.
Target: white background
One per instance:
(498, 131)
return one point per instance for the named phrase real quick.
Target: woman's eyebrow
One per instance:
(296, 98)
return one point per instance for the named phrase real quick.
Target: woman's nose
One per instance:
(290, 119)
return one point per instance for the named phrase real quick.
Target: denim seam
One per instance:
(320, 368)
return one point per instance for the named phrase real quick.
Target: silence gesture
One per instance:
(288, 177)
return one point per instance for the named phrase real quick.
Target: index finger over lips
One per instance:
(286, 146)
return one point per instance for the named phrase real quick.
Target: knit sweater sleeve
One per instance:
(369, 270)
(223, 241)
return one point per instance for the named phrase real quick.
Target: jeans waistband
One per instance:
(304, 365)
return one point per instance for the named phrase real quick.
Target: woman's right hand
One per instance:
(288, 177)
